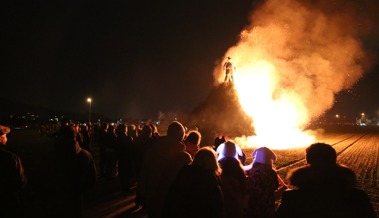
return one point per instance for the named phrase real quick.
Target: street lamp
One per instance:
(89, 100)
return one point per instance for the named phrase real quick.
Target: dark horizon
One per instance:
(136, 59)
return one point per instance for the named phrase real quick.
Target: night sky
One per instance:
(133, 58)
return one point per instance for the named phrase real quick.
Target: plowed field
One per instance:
(357, 148)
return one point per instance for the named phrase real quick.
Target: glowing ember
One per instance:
(289, 65)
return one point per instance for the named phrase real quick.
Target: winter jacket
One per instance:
(324, 192)
(196, 193)
(160, 167)
(74, 173)
(234, 187)
(12, 179)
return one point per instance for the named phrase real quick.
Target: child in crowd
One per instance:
(264, 184)
(233, 182)
(196, 191)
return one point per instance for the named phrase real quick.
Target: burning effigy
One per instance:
(290, 62)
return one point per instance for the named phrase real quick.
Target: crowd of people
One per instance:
(173, 176)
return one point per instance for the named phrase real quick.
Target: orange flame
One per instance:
(289, 66)
(277, 118)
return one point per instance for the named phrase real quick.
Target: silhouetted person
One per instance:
(133, 134)
(323, 188)
(143, 142)
(125, 157)
(110, 152)
(12, 178)
(192, 142)
(94, 130)
(102, 141)
(218, 141)
(86, 136)
(263, 184)
(133, 131)
(155, 131)
(75, 173)
(160, 167)
(79, 136)
(196, 190)
(233, 182)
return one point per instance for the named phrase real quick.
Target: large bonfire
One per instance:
(290, 62)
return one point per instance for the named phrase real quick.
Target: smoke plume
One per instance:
(314, 47)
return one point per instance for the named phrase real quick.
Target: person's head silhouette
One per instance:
(321, 154)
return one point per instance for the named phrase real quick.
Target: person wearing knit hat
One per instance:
(230, 149)
(263, 155)
(12, 178)
(233, 181)
(265, 185)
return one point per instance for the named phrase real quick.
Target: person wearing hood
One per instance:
(161, 164)
(264, 184)
(74, 173)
